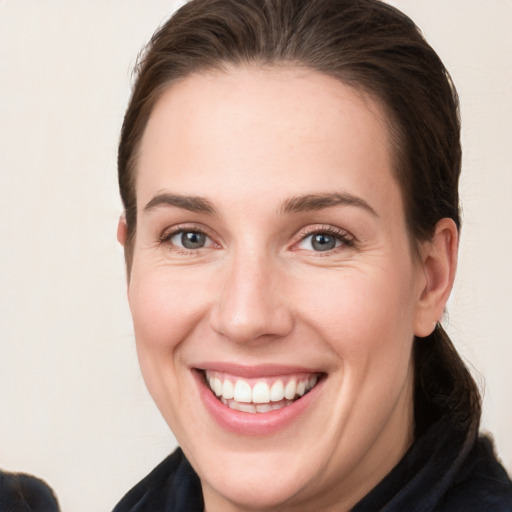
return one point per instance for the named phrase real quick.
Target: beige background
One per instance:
(73, 407)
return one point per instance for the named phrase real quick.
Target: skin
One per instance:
(258, 292)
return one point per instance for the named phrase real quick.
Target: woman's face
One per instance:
(272, 263)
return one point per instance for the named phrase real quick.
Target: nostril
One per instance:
(250, 306)
(257, 325)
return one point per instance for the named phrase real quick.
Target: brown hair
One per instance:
(366, 44)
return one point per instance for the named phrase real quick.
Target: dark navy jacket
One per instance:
(444, 471)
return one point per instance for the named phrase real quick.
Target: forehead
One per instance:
(248, 127)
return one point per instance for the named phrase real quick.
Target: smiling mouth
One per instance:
(260, 395)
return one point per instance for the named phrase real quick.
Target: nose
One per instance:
(251, 305)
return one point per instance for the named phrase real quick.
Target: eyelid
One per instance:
(170, 232)
(347, 239)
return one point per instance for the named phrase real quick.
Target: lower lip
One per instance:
(257, 424)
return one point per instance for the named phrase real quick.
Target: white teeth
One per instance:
(258, 408)
(241, 396)
(261, 393)
(243, 391)
(217, 386)
(279, 405)
(263, 408)
(239, 406)
(277, 391)
(228, 390)
(290, 389)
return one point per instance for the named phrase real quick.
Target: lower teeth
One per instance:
(255, 408)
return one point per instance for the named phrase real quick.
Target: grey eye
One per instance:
(323, 242)
(193, 239)
(189, 239)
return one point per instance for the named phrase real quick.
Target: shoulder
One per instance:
(481, 484)
(172, 485)
(19, 491)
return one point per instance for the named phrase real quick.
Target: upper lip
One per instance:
(253, 371)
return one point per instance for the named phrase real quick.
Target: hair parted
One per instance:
(370, 46)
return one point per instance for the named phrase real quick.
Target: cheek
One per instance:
(361, 314)
(165, 306)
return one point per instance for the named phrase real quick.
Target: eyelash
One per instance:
(168, 235)
(340, 235)
(347, 241)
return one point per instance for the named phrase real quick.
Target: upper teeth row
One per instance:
(260, 392)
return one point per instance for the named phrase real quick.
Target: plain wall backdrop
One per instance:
(73, 406)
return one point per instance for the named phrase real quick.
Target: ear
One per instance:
(122, 230)
(439, 262)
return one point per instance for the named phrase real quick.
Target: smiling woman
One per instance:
(289, 173)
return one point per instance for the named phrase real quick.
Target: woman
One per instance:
(289, 173)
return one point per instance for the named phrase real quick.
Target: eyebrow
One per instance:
(308, 202)
(311, 202)
(191, 203)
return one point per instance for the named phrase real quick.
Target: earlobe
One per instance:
(439, 262)
(122, 230)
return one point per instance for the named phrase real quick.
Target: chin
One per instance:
(258, 482)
